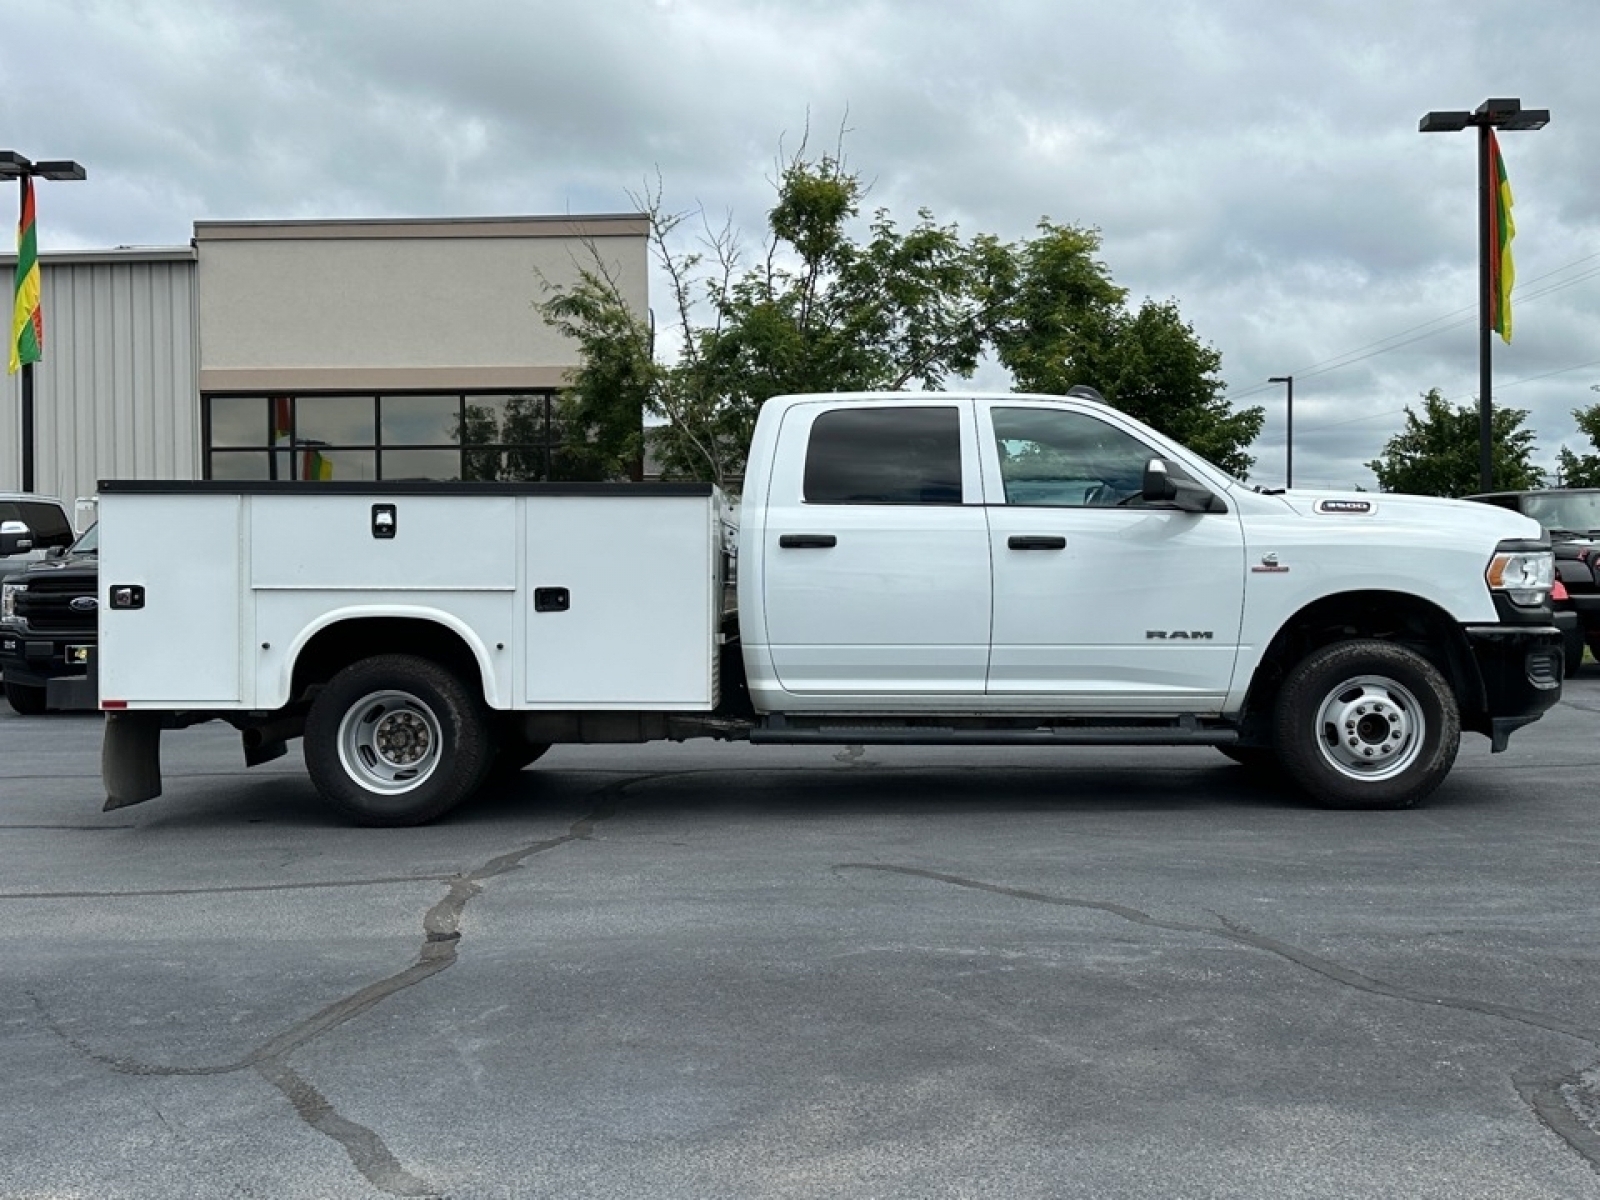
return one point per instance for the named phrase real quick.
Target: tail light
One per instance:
(1558, 590)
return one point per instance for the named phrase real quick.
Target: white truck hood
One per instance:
(1391, 508)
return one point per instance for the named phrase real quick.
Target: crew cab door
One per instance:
(875, 555)
(1100, 601)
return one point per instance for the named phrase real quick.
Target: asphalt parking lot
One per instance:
(725, 971)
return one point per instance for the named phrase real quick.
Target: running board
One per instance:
(930, 735)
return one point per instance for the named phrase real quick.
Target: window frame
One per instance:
(543, 451)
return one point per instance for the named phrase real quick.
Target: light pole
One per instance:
(1288, 431)
(1493, 114)
(15, 166)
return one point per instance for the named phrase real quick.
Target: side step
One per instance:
(1185, 732)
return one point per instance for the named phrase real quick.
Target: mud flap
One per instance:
(130, 758)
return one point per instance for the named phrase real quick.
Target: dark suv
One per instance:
(48, 629)
(1571, 518)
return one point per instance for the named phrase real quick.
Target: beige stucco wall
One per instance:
(390, 305)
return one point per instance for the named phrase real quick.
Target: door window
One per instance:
(884, 456)
(1067, 459)
(47, 522)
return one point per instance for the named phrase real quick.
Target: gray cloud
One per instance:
(1257, 161)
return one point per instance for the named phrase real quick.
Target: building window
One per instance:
(460, 436)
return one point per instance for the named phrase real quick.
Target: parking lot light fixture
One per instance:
(17, 166)
(1492, 114)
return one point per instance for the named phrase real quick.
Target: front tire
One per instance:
(396, 740)
(1367, 724)
(25, 699)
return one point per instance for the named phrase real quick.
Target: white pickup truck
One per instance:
(911, 569)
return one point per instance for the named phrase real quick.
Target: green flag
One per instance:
(27, 322)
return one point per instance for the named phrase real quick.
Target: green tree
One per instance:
(1583, 470)
(598, 417)
(1436, 454)
(824, 310)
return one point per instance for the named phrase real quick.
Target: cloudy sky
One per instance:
(1256, 160)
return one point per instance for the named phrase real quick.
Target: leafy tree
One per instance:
(1054, 306)
(823, 310)
(1583, 470)
(1436, 454)
(598, 416)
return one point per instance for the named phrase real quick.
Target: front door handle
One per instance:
(1021, 541)
(807, 541)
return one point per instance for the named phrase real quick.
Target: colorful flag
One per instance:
(27, 321)
(1502, 272)
(314, 467)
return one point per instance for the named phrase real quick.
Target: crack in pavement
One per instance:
(441, 937)
(1553, 1101)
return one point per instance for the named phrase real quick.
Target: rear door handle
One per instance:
(1035, 542)
(807, 541)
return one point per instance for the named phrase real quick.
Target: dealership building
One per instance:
(292, 350)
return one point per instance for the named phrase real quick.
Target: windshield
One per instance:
(88, 542)
(1570, 512)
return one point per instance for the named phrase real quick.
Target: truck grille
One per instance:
(47, 606)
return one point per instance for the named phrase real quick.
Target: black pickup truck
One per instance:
(49, 624)
(1571, 518)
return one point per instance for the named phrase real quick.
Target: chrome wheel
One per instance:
(1370, 728)
(390, 742)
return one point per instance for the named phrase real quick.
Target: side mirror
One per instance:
(1158, 486)
(1168, 485)
(15, 538)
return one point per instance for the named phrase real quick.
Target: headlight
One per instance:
(8, 600)
(1525, 576)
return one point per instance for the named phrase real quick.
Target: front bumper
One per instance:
(62, 665)
(1520, 670)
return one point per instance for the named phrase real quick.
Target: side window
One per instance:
(1071, 459)
(49, 524)
(885, 456)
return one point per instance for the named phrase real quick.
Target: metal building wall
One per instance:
(116, 395)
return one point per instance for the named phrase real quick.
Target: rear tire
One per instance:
(396, 740)
(1367, 725)
(25, 699)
